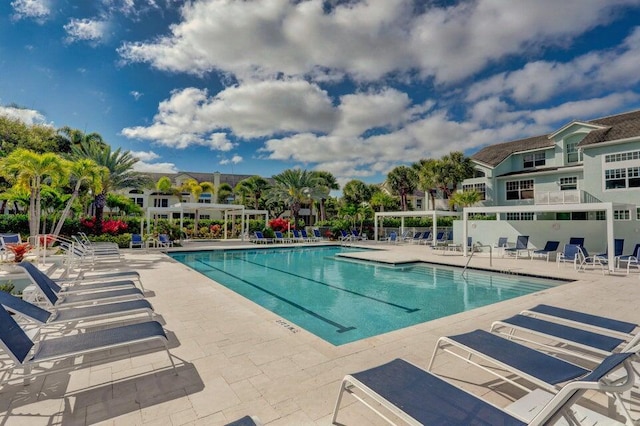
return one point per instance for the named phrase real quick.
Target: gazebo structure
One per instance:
(434, 214)
(246, 213)
(197, 208)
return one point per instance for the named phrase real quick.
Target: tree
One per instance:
(403, 181)
(429, 177)
(196, 189)
(381, 201)
(16, 134)
(294, 188)
(121, 174)
(356, 192)
(69, 138)
(465, 198)
(328, 183)
(455, 169)
(224, 192)
(82, 171)
(30, 170)
(252, 189)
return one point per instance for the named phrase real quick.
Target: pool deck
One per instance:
(236, 358)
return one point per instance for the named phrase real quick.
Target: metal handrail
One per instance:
(464, 270)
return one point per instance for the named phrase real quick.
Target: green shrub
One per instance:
(122, 240)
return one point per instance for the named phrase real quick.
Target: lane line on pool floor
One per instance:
(340, 328)
(395, 305)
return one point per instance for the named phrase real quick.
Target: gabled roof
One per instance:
(493, 155)
(232, 180)
(616, 127)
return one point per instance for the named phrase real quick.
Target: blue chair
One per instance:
(164, 241)
(629, 259)
(618, 248)
(392, 238)
(522, 243)
(136, 241)
(317, 234)
(260, 238)
(419, 397)
(345, 236)
(417, 236)
(578, 241)
(551, 247)
(570, 253)
(308, 237)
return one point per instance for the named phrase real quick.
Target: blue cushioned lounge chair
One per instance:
(317, 234)
(76, 314)
(570, 253)
(578, 241)
(551, 247)
(419, 397)
(136, 241)
(629, 259)
(522, 243)
(28, 356)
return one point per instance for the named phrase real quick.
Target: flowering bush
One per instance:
(216, 230)
(280, 224)
(113, 227)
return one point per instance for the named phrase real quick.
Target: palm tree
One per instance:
(429, 177)
(224, 192)
(455, 169)
(252, 189)
(121, 175)
(328, 183)
(30, 170)
(465, 198)
(295, 187)
(403, 181)
(382, 201)
(83, 170)
(68, 138)
(356, 192)
(196, 189)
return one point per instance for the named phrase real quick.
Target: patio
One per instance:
(239, 359)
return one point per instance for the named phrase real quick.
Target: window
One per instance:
(622, 156)
(615, 178)
(205, 198)
(419, 203)
(137, 200)
(621, 215)
(519, 189)
(622, 178)
(520, 216)
(573, 154)
(637, 213)
(478, 187)
(161, 202)
(601, 215)
(478, 173)
(533, 160)
(568, 183)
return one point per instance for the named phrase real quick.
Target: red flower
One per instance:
(279, 224)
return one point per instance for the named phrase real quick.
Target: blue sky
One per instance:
(352, 87)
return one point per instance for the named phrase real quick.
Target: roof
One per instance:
(617, 127)
(232, 180)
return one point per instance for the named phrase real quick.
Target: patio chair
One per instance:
(578, 241)
(307, 237)
(246, 421)
(83, 278)
(392, 238)
(279, 238)
(585, 320)
(522, 243)
(101, 249)
(136, 241)
(419, 397)
(297, 237)
(427, 238)
(317, 234)
(630, 259)
(441, 238)
(570, 253)
(261, 239)
(55, 317)
(164, 241)
(8, 239)
(345, 236)
(618, 248)
(29, 355)
(415, 238)
(550, 247)
(357, 236)
(55, 297)
(585, 260)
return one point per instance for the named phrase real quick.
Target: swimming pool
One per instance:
(342, 300)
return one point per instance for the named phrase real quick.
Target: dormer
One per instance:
(567, 139)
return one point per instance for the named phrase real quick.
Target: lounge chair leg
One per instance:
(343, 387)
(173, 364)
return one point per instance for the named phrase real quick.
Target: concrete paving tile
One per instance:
(183, 417)
(216, 396)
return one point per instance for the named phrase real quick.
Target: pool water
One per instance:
(342, 300)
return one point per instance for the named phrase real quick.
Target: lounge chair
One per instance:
(345, 236)
(551, 247)
(570, 253)
(77, 314)
(357, 236)
(441, 239)
(104, 248)
(136, 241)
(297, 237)
(580, 319)
(561, 338)
(318, 235)
(246, 421)
(522, 243)
(308, 237)
(392, 238)
(164, 241)
(629, 259)
(279, 238)
(54, 295)
(585, 260)
(261, 239)
(28, 355)
(419, 397)
(427, 238)
(578, 241)
(503, 243)
(618, 248)
(83, 278)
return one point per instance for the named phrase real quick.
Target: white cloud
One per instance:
(145, 167)
(136, 95)
(86, 30)
(145, 155)
(38, 10)
(540, 81)
(233, 160)
(191, 117)
(266, 37)
(27, 116)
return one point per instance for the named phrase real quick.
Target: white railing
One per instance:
(558, 197)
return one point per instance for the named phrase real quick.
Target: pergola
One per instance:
(198, 208)
(246, 213)
(547, 208)
(422, 213)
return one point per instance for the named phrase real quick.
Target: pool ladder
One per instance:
(471, 255)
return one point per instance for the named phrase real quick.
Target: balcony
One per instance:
(564, 197)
